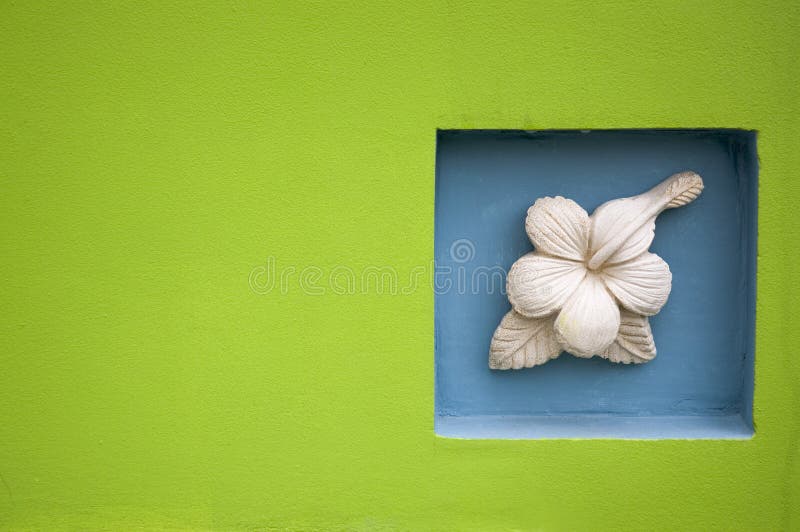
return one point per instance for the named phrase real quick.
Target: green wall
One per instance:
(153, 154)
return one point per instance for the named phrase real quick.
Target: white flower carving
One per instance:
(591, 282)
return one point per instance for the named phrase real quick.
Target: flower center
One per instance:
(587, 261)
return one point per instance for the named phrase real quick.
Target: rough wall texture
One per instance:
(153, 154)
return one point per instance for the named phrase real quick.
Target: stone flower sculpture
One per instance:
(590, 285)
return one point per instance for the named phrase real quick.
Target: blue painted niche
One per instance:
(701, 383)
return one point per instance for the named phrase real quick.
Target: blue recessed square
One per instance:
(700, 385)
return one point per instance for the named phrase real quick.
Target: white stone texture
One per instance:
(590, 284)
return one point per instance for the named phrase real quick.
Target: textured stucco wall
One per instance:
(153, 154)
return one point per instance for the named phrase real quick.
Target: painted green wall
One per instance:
(153, 154)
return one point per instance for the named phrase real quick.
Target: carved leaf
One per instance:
(634, 343)
(521, 342)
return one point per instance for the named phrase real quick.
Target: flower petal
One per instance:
(559, 227)
(641, 285)
(589, 322)
(538, 285)
(621, 230)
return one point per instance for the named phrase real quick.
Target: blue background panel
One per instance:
(703, 374)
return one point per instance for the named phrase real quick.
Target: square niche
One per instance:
(700, 385)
